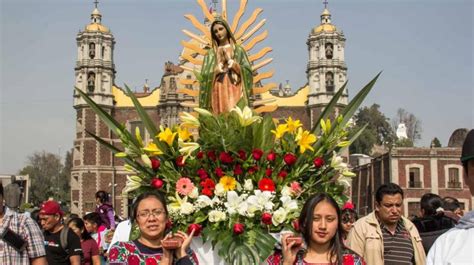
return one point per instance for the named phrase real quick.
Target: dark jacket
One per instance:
(431, 227)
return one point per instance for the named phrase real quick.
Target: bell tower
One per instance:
(93, 164)
(326, 70)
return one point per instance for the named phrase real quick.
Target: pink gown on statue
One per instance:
(226, 88)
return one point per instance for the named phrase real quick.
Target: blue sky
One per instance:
(425, 49)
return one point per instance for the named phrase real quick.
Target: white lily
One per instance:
(279, 216)
(187, 148)
(203, 112)
(288, 204)
(189, 120)
(233, 202)
(133, 183)
(246, 116)
(146, 160)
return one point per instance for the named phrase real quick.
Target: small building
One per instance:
(418, 170)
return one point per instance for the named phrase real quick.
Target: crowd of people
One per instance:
(330, 235)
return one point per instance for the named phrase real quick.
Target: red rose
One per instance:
(180, 161)
(200, 155)
(196, 227)
(219, 172)
(225, 158)
(348, 259)
(157, 183)
(151, 261)
(268, 172)
(271, 156)
(238, 170)
(169, 224)
(253, 169)
(113, 254)
(133, 260)
(267, 218)
(318, 162)
(242, 154)
(289, 159)
(202, 174)
(207, 192)
(283, 174)
(257, 154)
(155, 163)
(239, 228)
(211, 155)
(266, 184)
(296, 225)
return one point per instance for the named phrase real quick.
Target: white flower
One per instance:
(279, 216)
(203, 201)
(146, 160)
(187, 148)
(243, 209)
(344, 180)
(286, 191)
(203, 112)
(248, 185)
(288, 204)
(246, 117)
(233, 202)
(133, 183)
(216, 216)
(194, 193)
(186, 208)
(219, 190)
(189, 120)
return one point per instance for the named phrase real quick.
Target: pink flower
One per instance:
(184, 186)
(267, 218)
(295, 187)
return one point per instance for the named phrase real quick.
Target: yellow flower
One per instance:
(280, 131)
(184, 134)
(293, 125)
(167, 136)
(229, 183)
(305, 140)
(153, 149)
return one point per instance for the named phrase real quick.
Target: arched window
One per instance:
(329, 48)
(92, 50)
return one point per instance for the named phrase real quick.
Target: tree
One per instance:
(47, 177)
(412, 123)
(377, 132)
(435, 142)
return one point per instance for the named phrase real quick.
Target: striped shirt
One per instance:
(27, 229)
(397, 248)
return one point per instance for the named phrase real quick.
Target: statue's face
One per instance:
(220, 32)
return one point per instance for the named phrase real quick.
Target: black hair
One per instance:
(387, 189)
(349, 213)
(102, 195)
(93, 218)
(77, 222)
(451, 204)
(429, 203)
(143, 196)
(1, 189)
(336, 244)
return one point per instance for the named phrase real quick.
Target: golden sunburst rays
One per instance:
(195, 50)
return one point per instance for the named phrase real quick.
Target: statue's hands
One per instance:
(220, 67)
(230, 63)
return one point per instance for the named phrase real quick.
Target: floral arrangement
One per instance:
(236, 177)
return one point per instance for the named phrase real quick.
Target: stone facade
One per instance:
(417, 171)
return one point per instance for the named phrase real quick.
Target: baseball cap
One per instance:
(50, 208)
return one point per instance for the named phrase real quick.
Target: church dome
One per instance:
(96, 27)
(325, 28)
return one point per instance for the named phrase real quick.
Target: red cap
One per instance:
(348, 205)
(50, 208)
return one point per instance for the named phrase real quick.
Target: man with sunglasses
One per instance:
(58, 252)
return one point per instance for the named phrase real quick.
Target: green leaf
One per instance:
(262, 139)
(327, 110)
